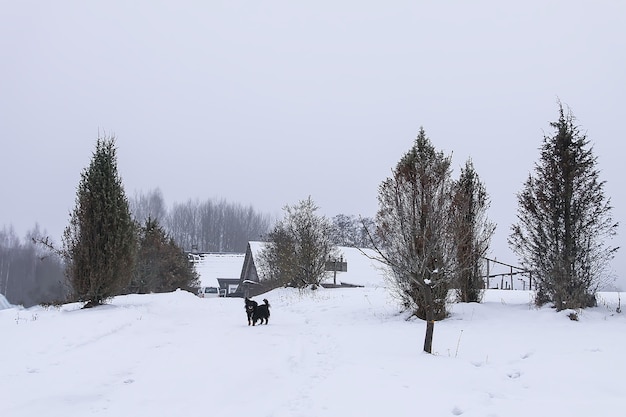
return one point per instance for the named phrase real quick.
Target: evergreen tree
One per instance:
(472, 233)
(564, 219)
(99, 243)
(413, 224)
(162, 266)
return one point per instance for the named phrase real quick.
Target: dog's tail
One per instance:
(267, 304)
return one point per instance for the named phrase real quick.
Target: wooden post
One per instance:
(487, 278)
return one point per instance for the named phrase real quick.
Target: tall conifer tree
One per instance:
(564, 220)
(472, 233)
(414, 227)
(100, 241)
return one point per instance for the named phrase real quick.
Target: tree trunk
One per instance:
(428, 339)
(430, 322)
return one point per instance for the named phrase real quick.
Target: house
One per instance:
(220, 270)
(359, 270)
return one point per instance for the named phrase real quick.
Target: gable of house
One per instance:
(250, 283)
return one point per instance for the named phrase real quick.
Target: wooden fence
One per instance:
(507, 278)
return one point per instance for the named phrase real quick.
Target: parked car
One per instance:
(208, 292)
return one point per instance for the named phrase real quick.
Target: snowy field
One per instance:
(342, 352)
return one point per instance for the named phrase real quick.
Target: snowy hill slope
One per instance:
(328, 353)
(4, 303)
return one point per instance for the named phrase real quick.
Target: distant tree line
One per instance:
(29, 274)
(222, 226)
(206, 226)
(352, 231)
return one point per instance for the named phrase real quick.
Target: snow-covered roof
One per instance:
(256, 248)
(211, 266)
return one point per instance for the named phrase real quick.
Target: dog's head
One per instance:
(250, 305)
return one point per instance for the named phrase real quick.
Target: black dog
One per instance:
(251, 307)
(262, 312)
(256, 312)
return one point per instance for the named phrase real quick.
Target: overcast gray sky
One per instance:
(268, 102)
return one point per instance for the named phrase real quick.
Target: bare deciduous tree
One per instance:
(298, 247)
(215, 226)
(150, 205)
(183, 224)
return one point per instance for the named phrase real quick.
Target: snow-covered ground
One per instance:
(341, 352)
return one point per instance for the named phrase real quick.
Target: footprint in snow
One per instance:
(456, 411)
(527, 355)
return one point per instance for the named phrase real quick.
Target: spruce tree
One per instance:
(100, 240)
(564, 220)
(162, 266)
